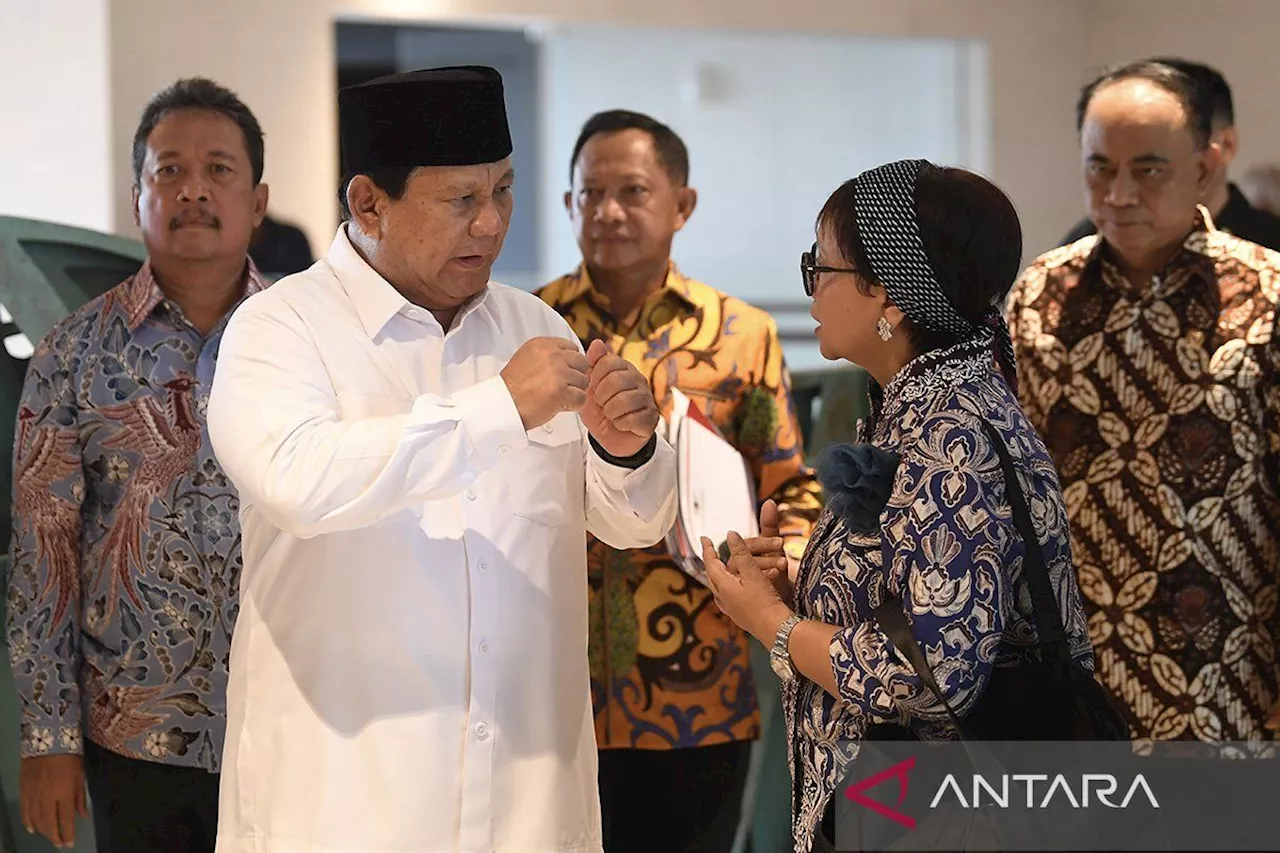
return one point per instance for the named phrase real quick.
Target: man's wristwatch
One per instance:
(634, 461)
(780, 655)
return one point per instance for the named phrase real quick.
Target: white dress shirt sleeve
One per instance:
(631, 508)
(627, 507)
(277, 427)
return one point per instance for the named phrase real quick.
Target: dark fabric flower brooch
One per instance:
(858, 479)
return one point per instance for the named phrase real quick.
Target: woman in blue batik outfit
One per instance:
(911, 265)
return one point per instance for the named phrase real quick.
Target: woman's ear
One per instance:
(892, 313)
(885, 306)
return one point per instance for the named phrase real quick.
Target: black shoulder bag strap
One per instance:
(1050, 632)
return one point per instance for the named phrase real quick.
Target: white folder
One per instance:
(716, 490)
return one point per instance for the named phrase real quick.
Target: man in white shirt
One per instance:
(420, 453)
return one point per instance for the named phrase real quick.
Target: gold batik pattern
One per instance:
(668, 669)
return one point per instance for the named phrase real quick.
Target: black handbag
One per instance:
(1050, 699)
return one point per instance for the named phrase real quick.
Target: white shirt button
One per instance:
(471, 494)
(482, 731)
(504, 449)
(548, 428)
(483, 567)
(484, 648)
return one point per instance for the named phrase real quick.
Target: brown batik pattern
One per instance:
(1160, 406)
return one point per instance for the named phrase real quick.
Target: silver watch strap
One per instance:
(780, 642)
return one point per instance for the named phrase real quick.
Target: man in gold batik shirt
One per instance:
(1150, 363)
(675, 700)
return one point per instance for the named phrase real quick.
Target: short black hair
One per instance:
(199, 93)
(971, 235)
(1195, 99)
(1211, 79)
(393, 180)
(670, 148)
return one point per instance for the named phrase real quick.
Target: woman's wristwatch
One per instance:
(780, 654)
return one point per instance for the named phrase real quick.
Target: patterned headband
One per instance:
(885, 209)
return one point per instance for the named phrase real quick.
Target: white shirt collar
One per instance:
(375, 300)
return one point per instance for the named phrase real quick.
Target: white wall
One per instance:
(278, 54)
(54, 107)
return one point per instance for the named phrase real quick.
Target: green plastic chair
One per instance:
(47, 270)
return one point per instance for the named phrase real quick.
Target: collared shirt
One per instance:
(125, 556)
(684, 678)
(409, 671)
(1161, 406)
(1238, 217)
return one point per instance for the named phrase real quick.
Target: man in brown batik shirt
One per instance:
(1150, 364)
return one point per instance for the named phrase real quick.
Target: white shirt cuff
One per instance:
(491, 420)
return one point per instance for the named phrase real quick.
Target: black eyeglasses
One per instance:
(809, 269)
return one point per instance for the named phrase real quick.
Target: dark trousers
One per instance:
(672, 800)
(144, 806)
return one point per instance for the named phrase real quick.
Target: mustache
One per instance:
(196, 216)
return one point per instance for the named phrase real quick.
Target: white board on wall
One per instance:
(773, 122)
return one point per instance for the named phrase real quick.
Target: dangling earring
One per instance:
(883, 329)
